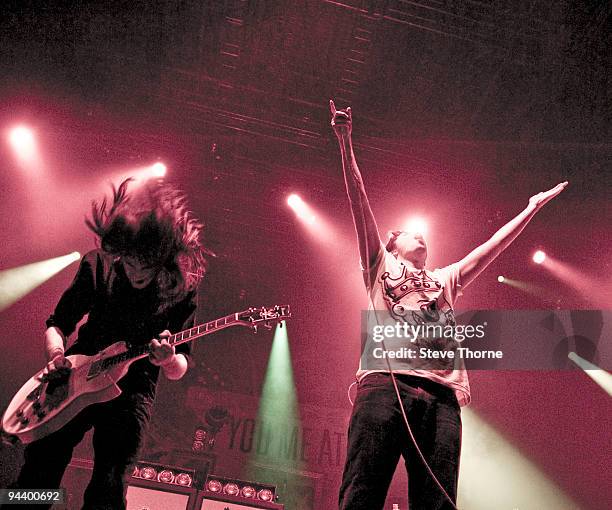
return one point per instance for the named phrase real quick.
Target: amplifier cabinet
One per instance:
(76, 477)
(150, 495)
(214, 501)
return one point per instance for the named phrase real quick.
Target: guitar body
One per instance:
(41, 407)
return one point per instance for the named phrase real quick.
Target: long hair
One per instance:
(152, 224)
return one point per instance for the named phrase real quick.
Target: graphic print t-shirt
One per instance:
(421, 300)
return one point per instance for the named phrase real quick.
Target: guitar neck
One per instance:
(252, 317)
(203, 329)
(181, 337)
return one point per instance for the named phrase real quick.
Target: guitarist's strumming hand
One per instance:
(58, 367)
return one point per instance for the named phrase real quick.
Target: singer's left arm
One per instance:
(477, 260)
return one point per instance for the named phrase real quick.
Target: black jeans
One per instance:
(119, 427)
(377, 437)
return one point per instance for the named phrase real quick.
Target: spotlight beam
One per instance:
(301, 209)
(492, 469)
(278, 397)
(17, 282)
(600, 376)
(524, 286)
(313, 221)
(588, 286)
(278, 405)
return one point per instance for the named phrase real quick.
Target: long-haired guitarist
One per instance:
(139, 285)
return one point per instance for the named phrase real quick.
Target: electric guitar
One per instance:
(45, 404)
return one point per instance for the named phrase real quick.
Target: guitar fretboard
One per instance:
(203, 329)
(181, 337)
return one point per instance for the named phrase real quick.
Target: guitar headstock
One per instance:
(264, 316)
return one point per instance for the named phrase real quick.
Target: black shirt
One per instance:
(118, 312)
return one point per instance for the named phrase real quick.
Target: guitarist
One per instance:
(140, 282)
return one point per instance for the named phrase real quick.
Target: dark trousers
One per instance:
(119, 427)
(377, 437)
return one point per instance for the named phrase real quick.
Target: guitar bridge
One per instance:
(35, 393)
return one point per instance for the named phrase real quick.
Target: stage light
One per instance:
(231, 488)
(301, 209)
(539, 257)
(166, 476)
(214, 486)
(248, 492)
(148, 473)
(23, 142)
(265, 495)
(139, 174)
(501, 279)
(19, 281)
(416, 225)
(183, 479)
(21, 137)
(158, 169)
(294, 201)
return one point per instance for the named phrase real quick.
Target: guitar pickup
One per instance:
(94, 370)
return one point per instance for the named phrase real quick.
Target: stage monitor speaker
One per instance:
(149, 495)
(214, 501)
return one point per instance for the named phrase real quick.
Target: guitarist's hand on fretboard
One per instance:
(161, 351)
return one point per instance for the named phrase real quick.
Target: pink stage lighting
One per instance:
(587, 285)
(539, 257)
(294, 201)
(300, 208)
(158, 169)
(22, 140)
(416, 225)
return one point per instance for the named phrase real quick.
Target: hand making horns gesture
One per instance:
(341, 121)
